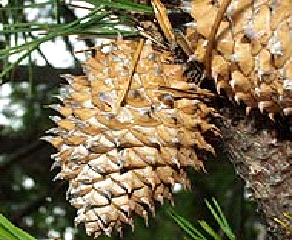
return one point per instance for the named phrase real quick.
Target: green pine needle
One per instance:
(198, 235)
(9, 231)
(94, 23)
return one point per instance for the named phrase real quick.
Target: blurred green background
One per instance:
(28, 195)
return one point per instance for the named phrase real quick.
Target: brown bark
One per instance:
(262, 155)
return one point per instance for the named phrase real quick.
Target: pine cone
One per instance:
(130, 128)
(251, 57)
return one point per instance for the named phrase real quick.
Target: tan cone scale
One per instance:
(252, 56)
(120, 157)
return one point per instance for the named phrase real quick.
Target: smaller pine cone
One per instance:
(252, 58)
(128, 133)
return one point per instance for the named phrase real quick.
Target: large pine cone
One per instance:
(251, 58)
(130, 128)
